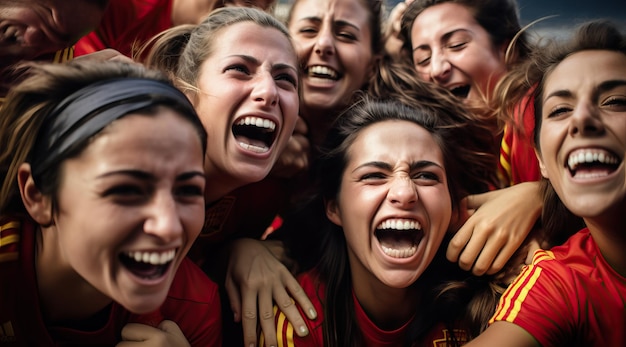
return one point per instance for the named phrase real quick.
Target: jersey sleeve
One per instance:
(542, 300)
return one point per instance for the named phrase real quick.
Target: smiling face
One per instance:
(29, 28)
(334, 44)
(451, 49)
(583, 131)
(393, 205)
(248, 102)
(130, 206)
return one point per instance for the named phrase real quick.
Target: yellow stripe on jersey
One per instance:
(9, 239)
(10, 225)
(505, 299)
(522, 296)
(64, 55)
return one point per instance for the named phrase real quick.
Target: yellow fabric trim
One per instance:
(10, 225)
(7, 240)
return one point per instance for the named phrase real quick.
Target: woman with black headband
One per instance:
(102, 198)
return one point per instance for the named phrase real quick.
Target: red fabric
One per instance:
(568, 296)
(373, 335)
(518, 162)
(193, 303)
(127, 24)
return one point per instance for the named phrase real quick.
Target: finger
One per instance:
(170, 327)
(136, 332)
(300, 297)
(472, 249)
(234, 298)
(290, 310)
(459, 241)
(484, 260)
(266, 318)
(249, 317)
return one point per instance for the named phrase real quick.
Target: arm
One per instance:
(504, 334)
(499, 222)
(255, 279)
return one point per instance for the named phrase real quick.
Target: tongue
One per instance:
(397, 239)
(595, 171)
(251, 144)
(144, 270)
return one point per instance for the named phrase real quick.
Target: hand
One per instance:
(393, 41)
(498, 223)
(295, 157)
(254, 274)
(167, 334)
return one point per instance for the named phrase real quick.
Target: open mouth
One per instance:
(399, 237)
(255, 134)
(592, 163)
(147, 265)
(461, 91)
(324, 72)
(11, 34)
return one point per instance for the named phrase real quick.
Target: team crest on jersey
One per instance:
(447, 339)
(6, 333)
(216, 215)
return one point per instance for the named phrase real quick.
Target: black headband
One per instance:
(87, 111)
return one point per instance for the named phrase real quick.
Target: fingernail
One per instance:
(312, 314)
(303, 331)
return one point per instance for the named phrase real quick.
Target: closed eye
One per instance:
(238, 68)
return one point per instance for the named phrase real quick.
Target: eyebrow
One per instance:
(339, 22)
(601, 88)
(386, 166)
(255, 61)
(145, 176)
(444, 38)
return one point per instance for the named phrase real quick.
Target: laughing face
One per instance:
(394, 205)
(247, 101)
(130, 206)
(29, 28)
(334, 43)
(452, 50)
(583, 131)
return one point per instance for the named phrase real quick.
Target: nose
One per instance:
(325, 42)
(163, 219)
(440, 68)
(586, 120)
(265, 90)
(402, 192)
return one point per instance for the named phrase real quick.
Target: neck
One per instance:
(64, 295)
(609, 234)
(389, 308)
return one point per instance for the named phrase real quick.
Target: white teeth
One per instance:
(590, 156)
(400, 224)
(258, 122)
(253, 148)
(322, 70)
(153, 258)
(399, 253)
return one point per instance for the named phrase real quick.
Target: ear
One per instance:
(38, 206)
(542, 167)
(332, 212)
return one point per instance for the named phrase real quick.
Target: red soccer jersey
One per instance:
(568, 296)
(127, 24)
(192, 302)
(518, 162)
(373, 335)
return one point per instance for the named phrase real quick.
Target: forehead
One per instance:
(249, 38)
(437, 20)
(393, 141)
(353, 11)
(587, 67)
